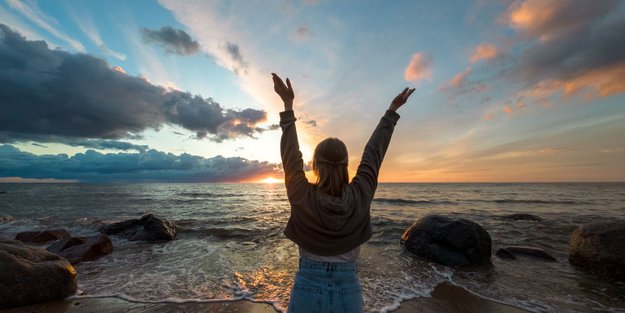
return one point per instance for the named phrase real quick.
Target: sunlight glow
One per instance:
(270, 180)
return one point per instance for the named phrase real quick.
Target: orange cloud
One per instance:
(484, 51)
(487, 117)
(602, 82)
(532, 16)
(552, 19)
(419, 67)
(507, 109)
(119, 69)
(459, 79)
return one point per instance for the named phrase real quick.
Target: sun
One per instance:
(270, 180)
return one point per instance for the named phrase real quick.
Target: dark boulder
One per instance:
(31, 275)
(148, 228)
(522, 217)
(79, 249)
(42, 236)
(600, 248)
(451, 242)
(506, 252)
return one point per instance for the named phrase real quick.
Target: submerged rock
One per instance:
(79, 249)
(451, 242)
(522, 217)
(42, 236)
(32, 275)
(539, 253)
(600, 248)
(148, 228)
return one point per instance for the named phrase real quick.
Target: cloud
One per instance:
(149, 165)
(507, 109)
(301, 33)
(119, 69)
(235, 54)
(571, 47)
(484, 51)
(52, 93)
(418, 68)
(460, 78)
(35, 15)
(87, 26)
(175, 41)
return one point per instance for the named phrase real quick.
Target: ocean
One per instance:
(230, 243)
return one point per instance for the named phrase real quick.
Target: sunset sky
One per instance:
(181, 91)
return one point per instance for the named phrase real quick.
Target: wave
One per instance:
(399, 201)
(534, 201)
(229, 232)
(209, 195)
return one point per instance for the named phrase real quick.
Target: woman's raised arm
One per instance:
(292, 163)
(367, 174)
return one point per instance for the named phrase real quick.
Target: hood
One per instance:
(335, 212)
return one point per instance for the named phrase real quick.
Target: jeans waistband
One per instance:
(309, 264)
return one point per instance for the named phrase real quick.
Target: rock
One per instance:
(527, 251)
(5, 218)
(79, 249)
(42, 236)
(522, 217)
(2, 192)
(148, 228)
(600, 248)
(31, 275)
(451, 242)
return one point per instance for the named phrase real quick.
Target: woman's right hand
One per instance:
(284, 91)
(400, 99)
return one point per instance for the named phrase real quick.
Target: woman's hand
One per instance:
(284, 91)
(400, 99)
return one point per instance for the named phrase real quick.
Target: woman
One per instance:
(330, 219)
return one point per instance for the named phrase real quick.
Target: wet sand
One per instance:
(115, 305)
(446, 297)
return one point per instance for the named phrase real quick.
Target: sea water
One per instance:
(230, 243)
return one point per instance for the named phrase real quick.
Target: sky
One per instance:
(181, 91)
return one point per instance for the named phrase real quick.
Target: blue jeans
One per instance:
(326, 287)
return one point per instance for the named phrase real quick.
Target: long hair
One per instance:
(330, 166)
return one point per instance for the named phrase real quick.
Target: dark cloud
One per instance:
(106, 144)
(312, 123)
(577, 36)
(175, 41)
(149, 165)
(235, 53)
(301, 33)
(51, 95)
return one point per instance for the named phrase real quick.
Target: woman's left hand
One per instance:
(284, 91)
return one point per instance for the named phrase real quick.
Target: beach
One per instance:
(229, 252)
(445, 298)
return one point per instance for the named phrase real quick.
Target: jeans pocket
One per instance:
(351, 299)
(305, 299)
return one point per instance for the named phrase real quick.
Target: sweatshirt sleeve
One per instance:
(367, 174)
(292, 163)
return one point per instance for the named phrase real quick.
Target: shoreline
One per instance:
(446, 297)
